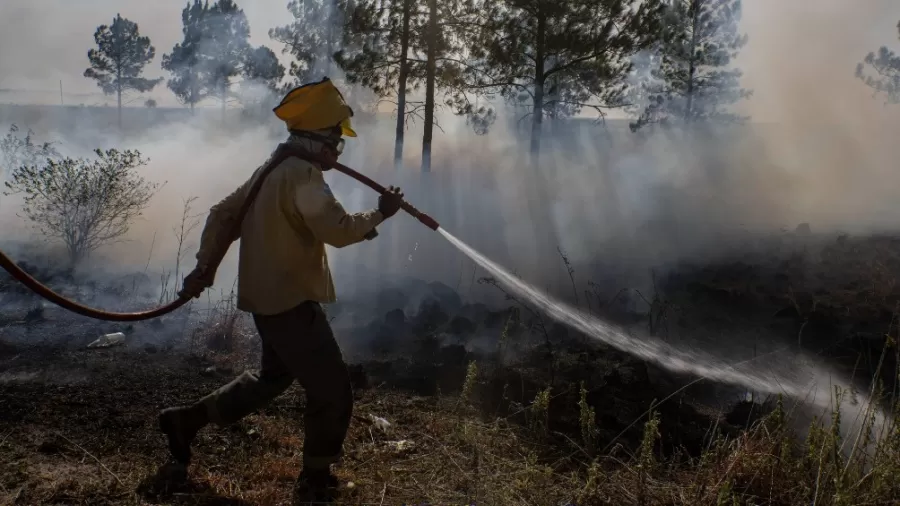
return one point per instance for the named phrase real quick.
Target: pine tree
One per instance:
(262, 65)
(225, 49)
(262, 74)
(519, 48)
(378, 53)
(394, 47)
(443, 47)
(432, 39)
(694, 80)
(312, 38)
(886, 66)
(214, 51)
(119, 60)
(186, 60)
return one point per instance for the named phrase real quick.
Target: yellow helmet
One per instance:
(316, 106)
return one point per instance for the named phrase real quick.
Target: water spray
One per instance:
(281, 154)
(817, 390)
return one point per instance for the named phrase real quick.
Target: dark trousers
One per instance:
(296, 345)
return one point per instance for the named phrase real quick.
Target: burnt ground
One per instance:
(78, 426)
(836, 298)
(486, 406)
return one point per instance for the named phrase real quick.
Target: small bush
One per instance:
(587, 420)
(539, 412)
(84, 203)
(471, 381)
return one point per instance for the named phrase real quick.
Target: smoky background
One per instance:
(819, 149)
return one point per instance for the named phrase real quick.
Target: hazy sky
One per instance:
(794, 44)
(45, 41)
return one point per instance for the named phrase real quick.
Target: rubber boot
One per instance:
(316, 486)
(180, 425)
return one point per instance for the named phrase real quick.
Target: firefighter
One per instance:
(283, 279)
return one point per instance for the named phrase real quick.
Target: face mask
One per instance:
(339, 146)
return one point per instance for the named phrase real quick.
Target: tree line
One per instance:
(667, 63)
(551, 59)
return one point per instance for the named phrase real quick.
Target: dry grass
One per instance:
(95, 443)
(226, 336)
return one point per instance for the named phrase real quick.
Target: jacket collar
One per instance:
(311, 145)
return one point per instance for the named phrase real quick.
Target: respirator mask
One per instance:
(335, 143)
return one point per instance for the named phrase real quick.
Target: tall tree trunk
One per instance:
(117, 40)
(552, 98)
(538, 185)
(431, 70)
(193, 97)
(74, 246)
(538, 99)
(696, 6)
(330, 18)
(73, 257)
(224, 100)
(401, 85)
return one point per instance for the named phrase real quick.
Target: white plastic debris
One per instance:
(400, 446)
(108, 340)
(379, 422)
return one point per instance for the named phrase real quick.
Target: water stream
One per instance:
(801, 378)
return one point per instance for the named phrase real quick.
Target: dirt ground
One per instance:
(83, 431)
(78, 425)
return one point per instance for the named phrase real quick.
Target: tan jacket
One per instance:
(282, 253)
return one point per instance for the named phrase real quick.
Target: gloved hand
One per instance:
(194, 283)
(389, 202)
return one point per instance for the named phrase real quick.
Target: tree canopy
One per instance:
(118, 61)
(226, 48)
(215, 50)
(378, 52)
(692, 77)
(312, 38)
(379, 41)
(883, 74)
(554, 57)
(261, 64)
(186, 61)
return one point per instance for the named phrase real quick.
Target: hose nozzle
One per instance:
(426, 220)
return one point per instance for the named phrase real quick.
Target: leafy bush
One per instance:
(84, 203)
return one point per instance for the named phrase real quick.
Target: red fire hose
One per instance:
(281, 155)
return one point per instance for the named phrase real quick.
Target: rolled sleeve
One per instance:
(327, 218)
